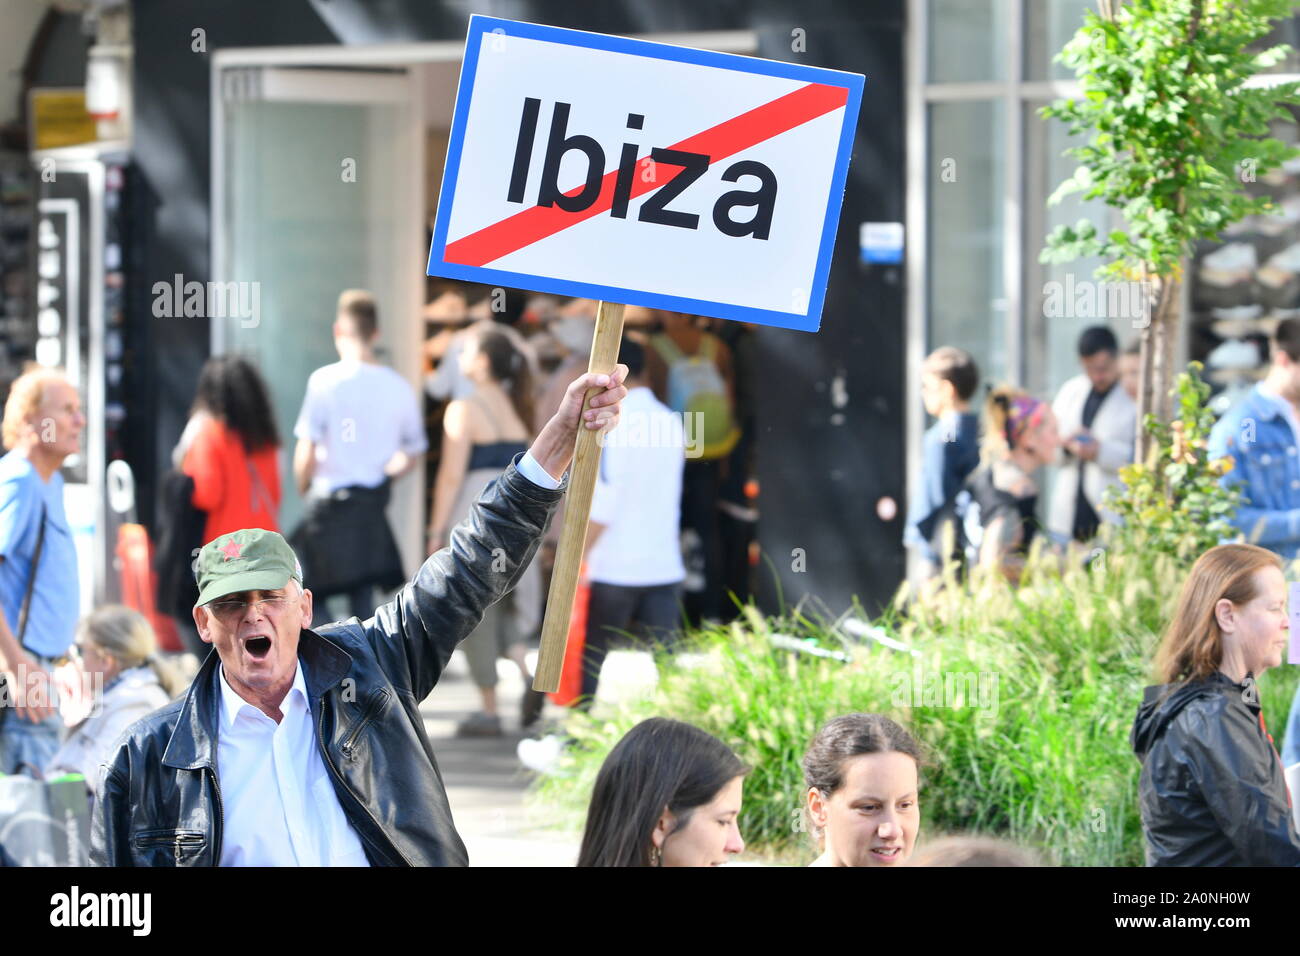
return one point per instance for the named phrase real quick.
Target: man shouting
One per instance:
(300, 747)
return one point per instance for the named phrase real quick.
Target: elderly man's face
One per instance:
(59, 421)
(256, 635)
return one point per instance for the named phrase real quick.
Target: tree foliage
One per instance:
(1174, 503)
(1174, 130)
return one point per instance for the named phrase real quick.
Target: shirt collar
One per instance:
(232, 704)
(1273, 401)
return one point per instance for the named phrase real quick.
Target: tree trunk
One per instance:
(1159, 357)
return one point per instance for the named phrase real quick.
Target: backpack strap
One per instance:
(31, 578)
(667, 348)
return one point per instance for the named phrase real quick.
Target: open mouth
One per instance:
(887, 854)
(258, 647)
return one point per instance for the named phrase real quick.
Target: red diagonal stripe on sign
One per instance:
(726, 139)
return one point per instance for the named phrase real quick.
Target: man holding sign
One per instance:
(299, 747)
(642, 174)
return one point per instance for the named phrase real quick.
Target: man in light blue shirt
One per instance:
(39, 593)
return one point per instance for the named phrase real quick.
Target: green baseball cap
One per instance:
(248, 560)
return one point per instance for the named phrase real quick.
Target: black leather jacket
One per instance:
(160, 794)
(1212, 791)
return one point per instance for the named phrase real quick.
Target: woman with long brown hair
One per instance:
(482, 434)
(1212, 791)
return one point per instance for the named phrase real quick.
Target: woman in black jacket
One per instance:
(1212, 791)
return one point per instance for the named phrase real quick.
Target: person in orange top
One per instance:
(233, 448)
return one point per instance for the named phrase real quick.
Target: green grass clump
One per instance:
(1023, 697)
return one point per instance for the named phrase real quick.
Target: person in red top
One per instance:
(233, 449)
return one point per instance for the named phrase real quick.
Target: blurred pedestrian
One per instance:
(1097, 420)
(863, 791)
(978, 851)
(483, 304)
(1130, 370)
(482, 433)
(668, 794)
(1212, 790)
(998, 506)
(1261, 434)
(230, 449)
(120, 655)
(949, 451)
(360, 427)
(633, 551)
(306, 747)
(39, 589)
(690, 370)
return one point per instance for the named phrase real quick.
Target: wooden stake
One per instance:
(582, 482)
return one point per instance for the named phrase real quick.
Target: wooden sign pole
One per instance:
(582, 483)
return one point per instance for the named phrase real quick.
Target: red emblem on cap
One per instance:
(230, 549)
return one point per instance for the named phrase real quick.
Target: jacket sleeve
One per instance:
(110, 839)
(1235, 788)
(1262, 526)
(414, 635)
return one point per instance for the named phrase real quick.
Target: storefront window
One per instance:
(1060, 300)
(1049, 25)
(968, 40)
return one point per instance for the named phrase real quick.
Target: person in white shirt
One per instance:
(633, 548)
(1097, 421)
(360, 427)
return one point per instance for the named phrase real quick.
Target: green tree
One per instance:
(1173, 133)
(1173, 503)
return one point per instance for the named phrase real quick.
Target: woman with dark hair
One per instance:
(482, 434)
(668, 794)
(862, 799)
(1212, 791)
(230, 448)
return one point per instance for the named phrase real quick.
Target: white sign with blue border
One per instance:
(644, 173)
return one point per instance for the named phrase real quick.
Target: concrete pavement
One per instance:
(484, 778)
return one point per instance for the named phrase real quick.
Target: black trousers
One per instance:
(612, 610)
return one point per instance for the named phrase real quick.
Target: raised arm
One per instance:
(415, 634)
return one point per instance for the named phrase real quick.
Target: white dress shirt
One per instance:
(280, 807)
(532, 469)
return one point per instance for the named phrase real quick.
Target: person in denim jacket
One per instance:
(1262, 434)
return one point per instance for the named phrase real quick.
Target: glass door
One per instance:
(317, 188)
